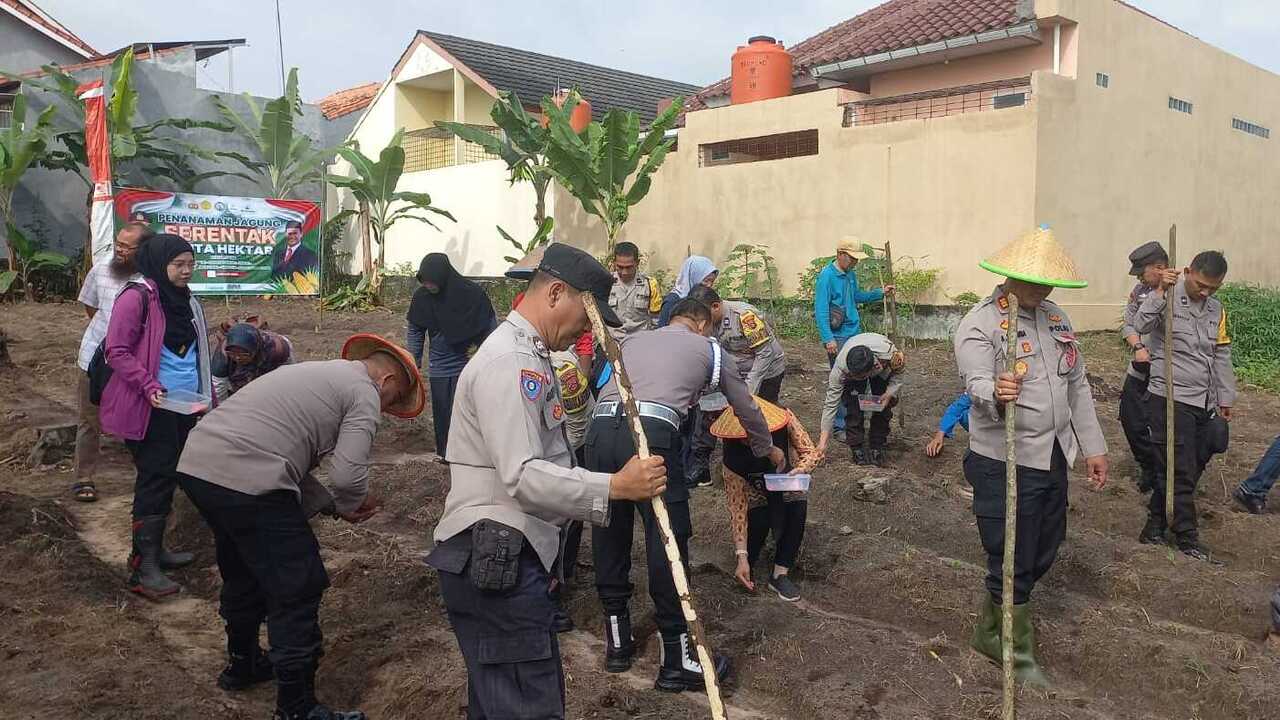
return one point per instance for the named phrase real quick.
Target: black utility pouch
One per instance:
(495, 555)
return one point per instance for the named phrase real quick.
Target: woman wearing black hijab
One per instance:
(157, 348)
(455, 316)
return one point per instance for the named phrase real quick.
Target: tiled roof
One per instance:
(895, 25)
(345, 102)
(532, 75)
(35, 16)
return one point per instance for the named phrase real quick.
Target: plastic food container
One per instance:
(787, 483)
(184, 402)
(871, 403)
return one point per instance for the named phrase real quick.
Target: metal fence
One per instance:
(756, 149)
(432, 148)
(6, 110)
(985, 97)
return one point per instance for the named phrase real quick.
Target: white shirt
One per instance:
(99, 290)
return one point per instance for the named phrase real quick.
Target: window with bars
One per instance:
(1248, 127)
(1103, 80)
(6, 110)
(1001, 102)
(1180, 105)
(433, 148)
(758, 149)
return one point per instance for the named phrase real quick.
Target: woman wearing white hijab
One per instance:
(697, 270)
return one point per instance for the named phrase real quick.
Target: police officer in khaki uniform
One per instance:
(668, 368)
(1055, 419)
(867, 364)
(1204, 389)
(749, 342)
(1146, 263)
(635, 297)
(514, 485)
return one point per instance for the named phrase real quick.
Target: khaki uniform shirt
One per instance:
(1056, 403)
(1127, 330)
(575, 394)
(273, 433)
(882, 348)
(637, 304)
(1202, 372)
(746, 335)
(509, 460)
(674, 365)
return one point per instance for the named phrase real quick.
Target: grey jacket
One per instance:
(509, 459)
(1202, 372)
(1056, 402)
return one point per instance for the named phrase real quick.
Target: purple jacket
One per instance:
(133, 352)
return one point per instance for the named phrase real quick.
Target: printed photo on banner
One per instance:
(243, 246)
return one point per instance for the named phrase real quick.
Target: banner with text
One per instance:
(244, 246)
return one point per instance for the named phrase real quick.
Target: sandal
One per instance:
(85, 492)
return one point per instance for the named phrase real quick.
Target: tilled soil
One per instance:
(1126, 630)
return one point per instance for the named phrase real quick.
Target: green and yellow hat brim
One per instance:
(1036, 258)
(1033, 279)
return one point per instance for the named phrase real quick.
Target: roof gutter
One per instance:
(1023, 30)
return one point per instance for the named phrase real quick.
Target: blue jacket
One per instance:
(957, 414)
(840, 289)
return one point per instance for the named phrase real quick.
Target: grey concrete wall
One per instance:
(23, 48)
(51, 205)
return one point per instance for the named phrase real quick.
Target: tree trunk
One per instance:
(6, 212)
(366, 246)
(540, 202)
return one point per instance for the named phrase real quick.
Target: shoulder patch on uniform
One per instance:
(655, 296)
(1003, 303)
(531, 384)
(753, 329)
(1224, 338)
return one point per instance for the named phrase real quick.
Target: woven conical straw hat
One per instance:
(728, 427)
(1036, 258)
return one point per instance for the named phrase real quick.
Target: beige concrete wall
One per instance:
(1117, 166)
(418, 108)
(945, 191)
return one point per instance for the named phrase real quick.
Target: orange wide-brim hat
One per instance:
(362, 345)
(728, 427)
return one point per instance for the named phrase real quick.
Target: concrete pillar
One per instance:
(459, 114)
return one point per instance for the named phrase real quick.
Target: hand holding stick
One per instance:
(613, 352)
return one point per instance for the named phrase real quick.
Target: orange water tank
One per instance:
(761, 71)
(580, 118)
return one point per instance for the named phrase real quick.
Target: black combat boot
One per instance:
(1152, 532)
(296, 698)
(1191, 546)
(145, 577)
(247, 664)
(875, 456)
(1252, 504)
(679, 668)
(860, 456)
(620, 646)
(319, 712)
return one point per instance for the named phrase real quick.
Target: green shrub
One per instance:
(1253, 322)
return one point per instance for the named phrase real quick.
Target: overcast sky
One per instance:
(340, 44)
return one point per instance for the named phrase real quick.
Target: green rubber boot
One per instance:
(986, 633)
(1025, 666)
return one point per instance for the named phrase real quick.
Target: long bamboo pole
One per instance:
(1010, 517)
(891, 309)
(1169, 425)
(614, 354)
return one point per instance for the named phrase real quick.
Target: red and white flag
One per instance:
(97, 145)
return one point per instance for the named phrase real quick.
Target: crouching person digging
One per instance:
(247, 468)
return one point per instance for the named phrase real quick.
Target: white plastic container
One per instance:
(871, 403)
(787, 483)
(184, 402)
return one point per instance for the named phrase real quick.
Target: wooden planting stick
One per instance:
(1169, 429)
(1010, 516)
(614, 353)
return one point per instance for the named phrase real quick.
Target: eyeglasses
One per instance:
(183, 265)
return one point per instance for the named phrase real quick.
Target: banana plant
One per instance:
(29, 259)
(134, 146)
(380, 204)
(20, 148)
(286, 159)
(523, 147)
(609, 166)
